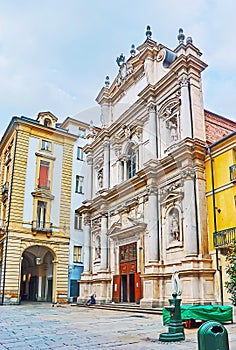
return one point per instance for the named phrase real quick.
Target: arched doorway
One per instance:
(37, 274)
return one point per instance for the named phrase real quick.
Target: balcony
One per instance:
(232, 172)
(42, 226)
(224, 238)
(5, 189)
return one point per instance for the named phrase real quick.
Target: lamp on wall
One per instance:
(38, 261)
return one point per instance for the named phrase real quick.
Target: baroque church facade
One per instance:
(145, 212)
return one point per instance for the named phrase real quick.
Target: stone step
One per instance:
(126, 307)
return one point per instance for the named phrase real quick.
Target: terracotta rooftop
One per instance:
(217, 127)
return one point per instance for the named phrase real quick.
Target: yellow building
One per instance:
(221, 201)
(35, 177)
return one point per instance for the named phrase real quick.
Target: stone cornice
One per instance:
(112, 94)
(45, 155)
(183, 64)
(138, 110)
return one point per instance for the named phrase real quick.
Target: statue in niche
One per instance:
(174, 225)
(172, 126)
(97, 248)
(100, 178)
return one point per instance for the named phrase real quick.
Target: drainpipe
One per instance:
(196, 211)
(158, 230)
(215, 223)
(7, 224)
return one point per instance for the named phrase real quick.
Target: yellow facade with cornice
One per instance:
(221, 202)
(35, 219)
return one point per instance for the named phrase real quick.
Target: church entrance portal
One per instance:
(127, 286)
(37, 274)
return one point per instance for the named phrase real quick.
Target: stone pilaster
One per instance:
(89, 188)
(152, 133)
(185, 114)
(87, 246)
(189, 213)
(153, 244)
(106, 165)
(125, 158)
(104, 242)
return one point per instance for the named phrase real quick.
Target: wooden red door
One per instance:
(137, 287)
(116, 289)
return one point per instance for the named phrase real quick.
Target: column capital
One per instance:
(106, 143)
(152, 190)
(124, 157)
(89, 159)
(87, 221)
(151, 108)
(188, 173)
(183, 80)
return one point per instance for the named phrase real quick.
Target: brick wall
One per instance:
(217, 127)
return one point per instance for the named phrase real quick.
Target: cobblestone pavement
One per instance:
(41, 326)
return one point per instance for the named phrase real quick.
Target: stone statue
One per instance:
(172, 126)
(176, 285)
(97, 248)
(174, 227)
(100, 179)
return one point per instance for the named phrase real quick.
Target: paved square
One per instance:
(41, 326)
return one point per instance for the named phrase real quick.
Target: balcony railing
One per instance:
(42, 226)
(232, 172)
(5, 189)
(224, 237)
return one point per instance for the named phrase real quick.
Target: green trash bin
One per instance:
(212, 335)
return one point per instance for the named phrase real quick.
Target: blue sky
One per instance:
(55, 54)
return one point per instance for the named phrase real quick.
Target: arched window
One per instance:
(47, 122)
(131, 165)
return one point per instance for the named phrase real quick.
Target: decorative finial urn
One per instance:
(132, 51)
(148, 33)
(189, 40)
(181, 36)
(107, 81)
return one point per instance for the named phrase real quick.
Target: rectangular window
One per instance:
(80, 153)
(77, 254)
(232, 172)
(43, 174)
(128, 252)
(82, 133)
(234, 155)
(79, 187)
(46, 145)
(41, 215)
(78, 221)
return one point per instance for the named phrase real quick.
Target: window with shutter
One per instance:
(43, 174)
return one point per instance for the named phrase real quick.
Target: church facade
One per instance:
(145, 212)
